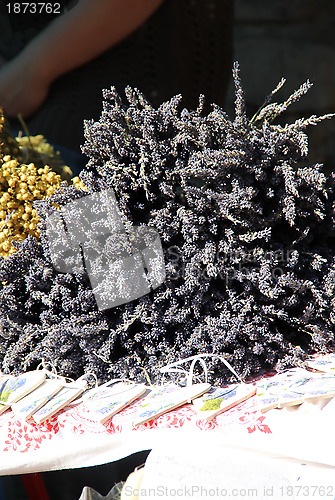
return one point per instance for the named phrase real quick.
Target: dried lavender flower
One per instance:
(247, 230)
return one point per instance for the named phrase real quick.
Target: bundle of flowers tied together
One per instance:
(247, 229)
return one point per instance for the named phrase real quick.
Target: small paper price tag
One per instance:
(325, 364)
(15, 388)
(218, 400)
(320, 386)
(293, 388)
(113, 386)
(3, 380)
(65, 396)
(31, 403)
(106, 402)
(167, 398)
(277, 390)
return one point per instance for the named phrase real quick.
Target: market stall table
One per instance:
(71, 439)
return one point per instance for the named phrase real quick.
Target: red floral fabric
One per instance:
(23, 436)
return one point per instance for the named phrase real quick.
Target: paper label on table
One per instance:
(293, 388)
(109, 401)
(218, 400)
(60, 400)
(321, 386)
(325, 364)
(278, 390)
(31, 403)
(111, 387)
(3, 380)
(15, 388)
(318, 386)
(167, 398)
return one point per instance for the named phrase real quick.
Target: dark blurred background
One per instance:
(294, 39)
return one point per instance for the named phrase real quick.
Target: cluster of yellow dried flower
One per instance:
(20, 186)
(35, 149)
(25, 176)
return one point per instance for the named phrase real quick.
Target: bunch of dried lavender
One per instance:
(247, 230)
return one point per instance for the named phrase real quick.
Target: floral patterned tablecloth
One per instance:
(71, 439)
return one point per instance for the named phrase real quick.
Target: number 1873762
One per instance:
(33, 8)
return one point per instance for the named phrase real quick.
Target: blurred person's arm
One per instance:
(73, 39)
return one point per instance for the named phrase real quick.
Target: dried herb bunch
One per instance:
(248, 235)
(30, 169)
(20, 186)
